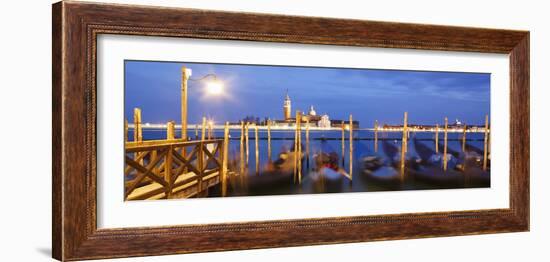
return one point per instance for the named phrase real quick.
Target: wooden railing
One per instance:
(172, 168)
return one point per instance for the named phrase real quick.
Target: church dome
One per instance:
(312, 111)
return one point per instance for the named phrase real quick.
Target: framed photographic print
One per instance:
(181, 130)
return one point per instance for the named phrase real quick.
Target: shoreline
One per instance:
(332, 129)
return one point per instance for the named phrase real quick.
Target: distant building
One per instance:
(287, 109)
(310, 119)
(324, 122)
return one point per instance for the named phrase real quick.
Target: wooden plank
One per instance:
(159, 144)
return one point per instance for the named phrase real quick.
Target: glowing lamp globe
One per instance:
(214, 87)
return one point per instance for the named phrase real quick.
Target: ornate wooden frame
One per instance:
(76, 26)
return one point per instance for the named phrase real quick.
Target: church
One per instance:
(311, 118)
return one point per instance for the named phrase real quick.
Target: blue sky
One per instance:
(369, 95)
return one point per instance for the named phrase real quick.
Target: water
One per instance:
(424, 171)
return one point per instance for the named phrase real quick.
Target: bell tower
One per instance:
(287, 107)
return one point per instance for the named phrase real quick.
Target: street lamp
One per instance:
(213, 87)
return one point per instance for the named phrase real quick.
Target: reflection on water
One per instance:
(326, 169)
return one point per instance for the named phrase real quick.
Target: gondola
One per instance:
(470, 164)
(381, 170)
(430, 170)
(274, 176)
(327, 174)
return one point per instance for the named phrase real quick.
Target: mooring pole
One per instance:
(242, 150)
(247, 144)
(376, 136)
(437, 138)
(269, 140)
(464, 139)
(445, 146)
(307, 143)
(203, 130)
(225, 151)
(485, 145)
(351, 147)
(299, 156)
(257, 151)
(403, 146)
(296, 146)
(196, 131)
(343, 142)
(210, 130)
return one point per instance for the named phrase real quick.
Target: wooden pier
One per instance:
(173, 168)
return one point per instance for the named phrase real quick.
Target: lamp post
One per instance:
(214, 87)
(185, 75)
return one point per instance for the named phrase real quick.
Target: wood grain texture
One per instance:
(75, 29)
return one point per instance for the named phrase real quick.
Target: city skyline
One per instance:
(259, 90)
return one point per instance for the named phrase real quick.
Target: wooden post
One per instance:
(203, 130)
(269, 140)
(247, 144)
(170, 133)
(138, 135)
(296, 145)
(125, 130)
(464, 139)
(445, 146)
(225, 151)
(403, 146)
(184, 77)
(200, 166)
(437, 138)
(351, 147)
(376, 136)
(343, 142)
(196, 131)
(168, 160)
(485, 145)
(210, 130)
(299, 155)
(257, 149)
(307, 143)
(242, 150)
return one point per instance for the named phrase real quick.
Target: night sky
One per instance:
(369, 95)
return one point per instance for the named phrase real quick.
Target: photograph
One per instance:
(197, 130)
